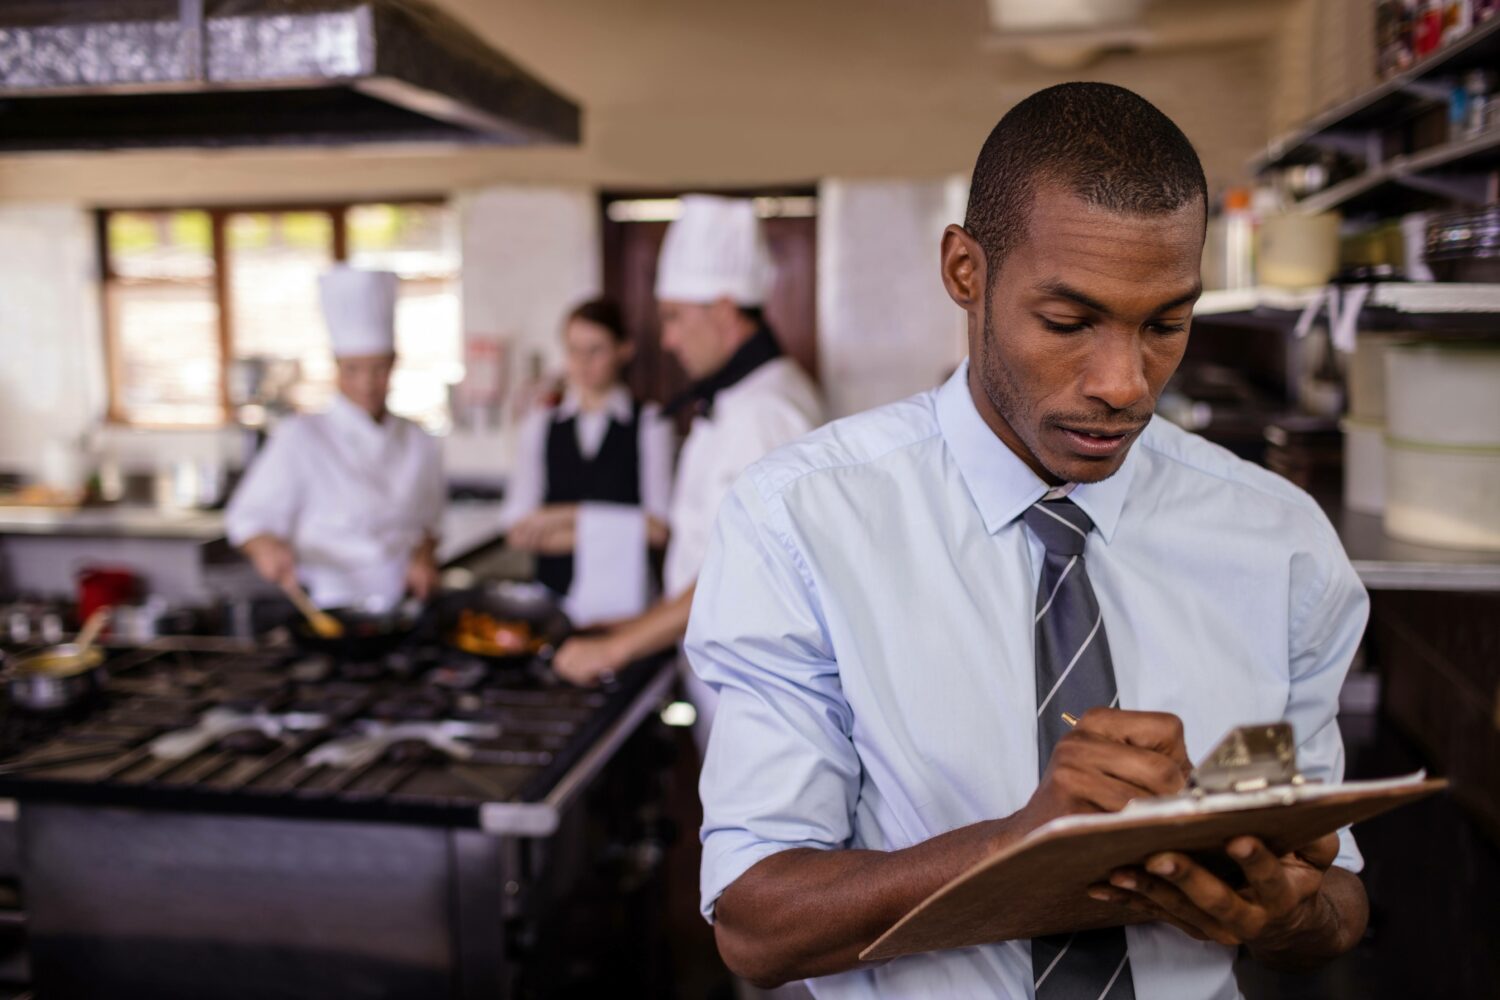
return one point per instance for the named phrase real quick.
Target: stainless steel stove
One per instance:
(252, 822)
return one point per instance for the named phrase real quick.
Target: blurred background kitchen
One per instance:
(175, 175)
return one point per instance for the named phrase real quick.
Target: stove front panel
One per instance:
(127, 903)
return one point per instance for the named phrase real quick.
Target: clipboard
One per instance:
(1038, 886)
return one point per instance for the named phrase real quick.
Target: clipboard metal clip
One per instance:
(1249, 759)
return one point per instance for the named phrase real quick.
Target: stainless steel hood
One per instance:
(133, 74)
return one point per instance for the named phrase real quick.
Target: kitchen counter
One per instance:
(112, 522)
(1386, 563)
(181, 554)
(467, 524)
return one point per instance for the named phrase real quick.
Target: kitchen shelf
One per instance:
(1347, 126)
(1391, 305)
(1450, 171)
(1237, 301)
(1384, 563)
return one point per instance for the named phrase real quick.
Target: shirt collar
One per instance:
(618, 405)
(1002, 485)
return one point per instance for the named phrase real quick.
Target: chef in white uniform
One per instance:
(349, 501)
(713, 277)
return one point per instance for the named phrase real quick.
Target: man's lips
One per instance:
(1100, 442)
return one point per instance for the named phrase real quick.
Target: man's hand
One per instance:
(422, 574)
(272, 559)
(1281, 906)
(587, 660)
(1109, 758)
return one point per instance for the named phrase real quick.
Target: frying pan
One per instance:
(368, 635)
(531, 603)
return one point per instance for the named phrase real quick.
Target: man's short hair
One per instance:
(1107, 145)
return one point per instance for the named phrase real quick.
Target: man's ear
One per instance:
(963, 269)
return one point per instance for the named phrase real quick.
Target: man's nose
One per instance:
(1116, 374)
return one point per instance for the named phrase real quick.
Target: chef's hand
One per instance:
(1281, 902)
(540, 530)
(422, 574)
(588, 660)
(272, 559)
(1110, 757)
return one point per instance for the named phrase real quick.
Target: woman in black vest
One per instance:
(597, 445)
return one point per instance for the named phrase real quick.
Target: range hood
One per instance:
(151, 74)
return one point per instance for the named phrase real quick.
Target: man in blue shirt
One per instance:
(905, 611)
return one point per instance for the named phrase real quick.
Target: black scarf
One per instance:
(760, 348)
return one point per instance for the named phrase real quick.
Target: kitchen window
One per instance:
(212, 315)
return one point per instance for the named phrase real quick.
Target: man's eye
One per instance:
(1167, 329)
(1061, 327)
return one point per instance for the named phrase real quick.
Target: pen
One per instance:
(1069, 719)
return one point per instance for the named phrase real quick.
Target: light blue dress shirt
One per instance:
(866, 610)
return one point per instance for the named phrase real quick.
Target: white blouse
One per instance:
(526, 487)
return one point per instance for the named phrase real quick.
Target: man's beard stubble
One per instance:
(1006, 399)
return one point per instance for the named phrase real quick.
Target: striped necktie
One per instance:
(1073, 674)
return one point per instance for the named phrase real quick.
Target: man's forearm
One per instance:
(804, 912)
(1337, 923)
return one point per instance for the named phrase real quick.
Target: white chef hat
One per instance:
(360, 310)
(715, 249)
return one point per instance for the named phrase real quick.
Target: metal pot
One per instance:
(54, 678)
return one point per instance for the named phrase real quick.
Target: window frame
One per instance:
(338, 212)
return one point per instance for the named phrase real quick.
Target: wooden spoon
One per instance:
(90, 631)
(324, 624)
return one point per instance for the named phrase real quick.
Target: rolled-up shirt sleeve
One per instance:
(781, 771)
(1326, 627)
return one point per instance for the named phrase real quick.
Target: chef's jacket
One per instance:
(773, 404)
(765, 409)
(352, 497)
(867, 611)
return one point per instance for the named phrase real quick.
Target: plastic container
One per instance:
(1443, 394)
(1229, 245)
(1364, 466)
(106, 587)
(1448, 497)
(1366, 377)
(1297, 251)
